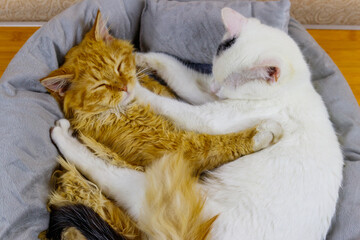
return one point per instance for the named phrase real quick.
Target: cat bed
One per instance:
(190, 31)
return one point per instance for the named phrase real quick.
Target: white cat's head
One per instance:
(255, 61)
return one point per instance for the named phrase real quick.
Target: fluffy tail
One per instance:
(83, 218)
(172, 210)
(173, 205)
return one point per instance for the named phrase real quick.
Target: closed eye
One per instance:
(100, 85)
(119, 68)
(225, 45)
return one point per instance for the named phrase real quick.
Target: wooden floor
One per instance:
(11, 40)
(343, 46)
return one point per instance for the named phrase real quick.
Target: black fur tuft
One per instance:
(86, 220)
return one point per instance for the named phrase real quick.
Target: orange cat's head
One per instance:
(98, 74)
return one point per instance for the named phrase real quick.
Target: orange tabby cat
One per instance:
(95, 88)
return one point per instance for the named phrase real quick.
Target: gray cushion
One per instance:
(189, 29)
(27, 156)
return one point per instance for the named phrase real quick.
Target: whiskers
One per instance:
(143, 71)
(113, 113)
(119, 110)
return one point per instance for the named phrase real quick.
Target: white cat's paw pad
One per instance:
(269, 132)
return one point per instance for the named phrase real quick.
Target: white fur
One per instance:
(286, 191)
(190, 85)
(289, 190)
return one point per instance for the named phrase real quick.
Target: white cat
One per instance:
(287, 191)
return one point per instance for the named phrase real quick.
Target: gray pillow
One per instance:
(27, 156)
(190, 30)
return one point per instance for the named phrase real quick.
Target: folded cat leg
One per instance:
(110, 179)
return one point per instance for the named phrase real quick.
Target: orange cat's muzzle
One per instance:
(124, 88)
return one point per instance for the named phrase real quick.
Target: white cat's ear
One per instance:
(273, 73)
(269, 73)
(271, 68)
(233, 21)
(57, 84)
(268, 70)
(101, 31)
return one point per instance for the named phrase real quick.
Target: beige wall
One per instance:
(32, 10)
(326, 12)
(322, 12)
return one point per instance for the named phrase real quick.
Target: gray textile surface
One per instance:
(194, 40)
(27, 156)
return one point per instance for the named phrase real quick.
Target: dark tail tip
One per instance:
(86, 220)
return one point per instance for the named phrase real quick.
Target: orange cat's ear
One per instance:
(100, 30)
(57, 82)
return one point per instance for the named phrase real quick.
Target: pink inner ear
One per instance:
(233, 21)
(58, 84)
(273, 73)
(101, 31)
(272, 67)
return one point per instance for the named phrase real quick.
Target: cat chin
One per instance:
(127, 98)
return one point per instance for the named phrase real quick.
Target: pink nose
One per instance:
(124, 88)
(214, 87)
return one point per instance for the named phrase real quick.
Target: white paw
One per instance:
(150, 60)
(61, 134)
(64, 124)
(269, 132)
(140, 60)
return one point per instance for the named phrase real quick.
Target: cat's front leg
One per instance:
(184, 115)
(188, 84)
(126, 186)
(68, 145)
